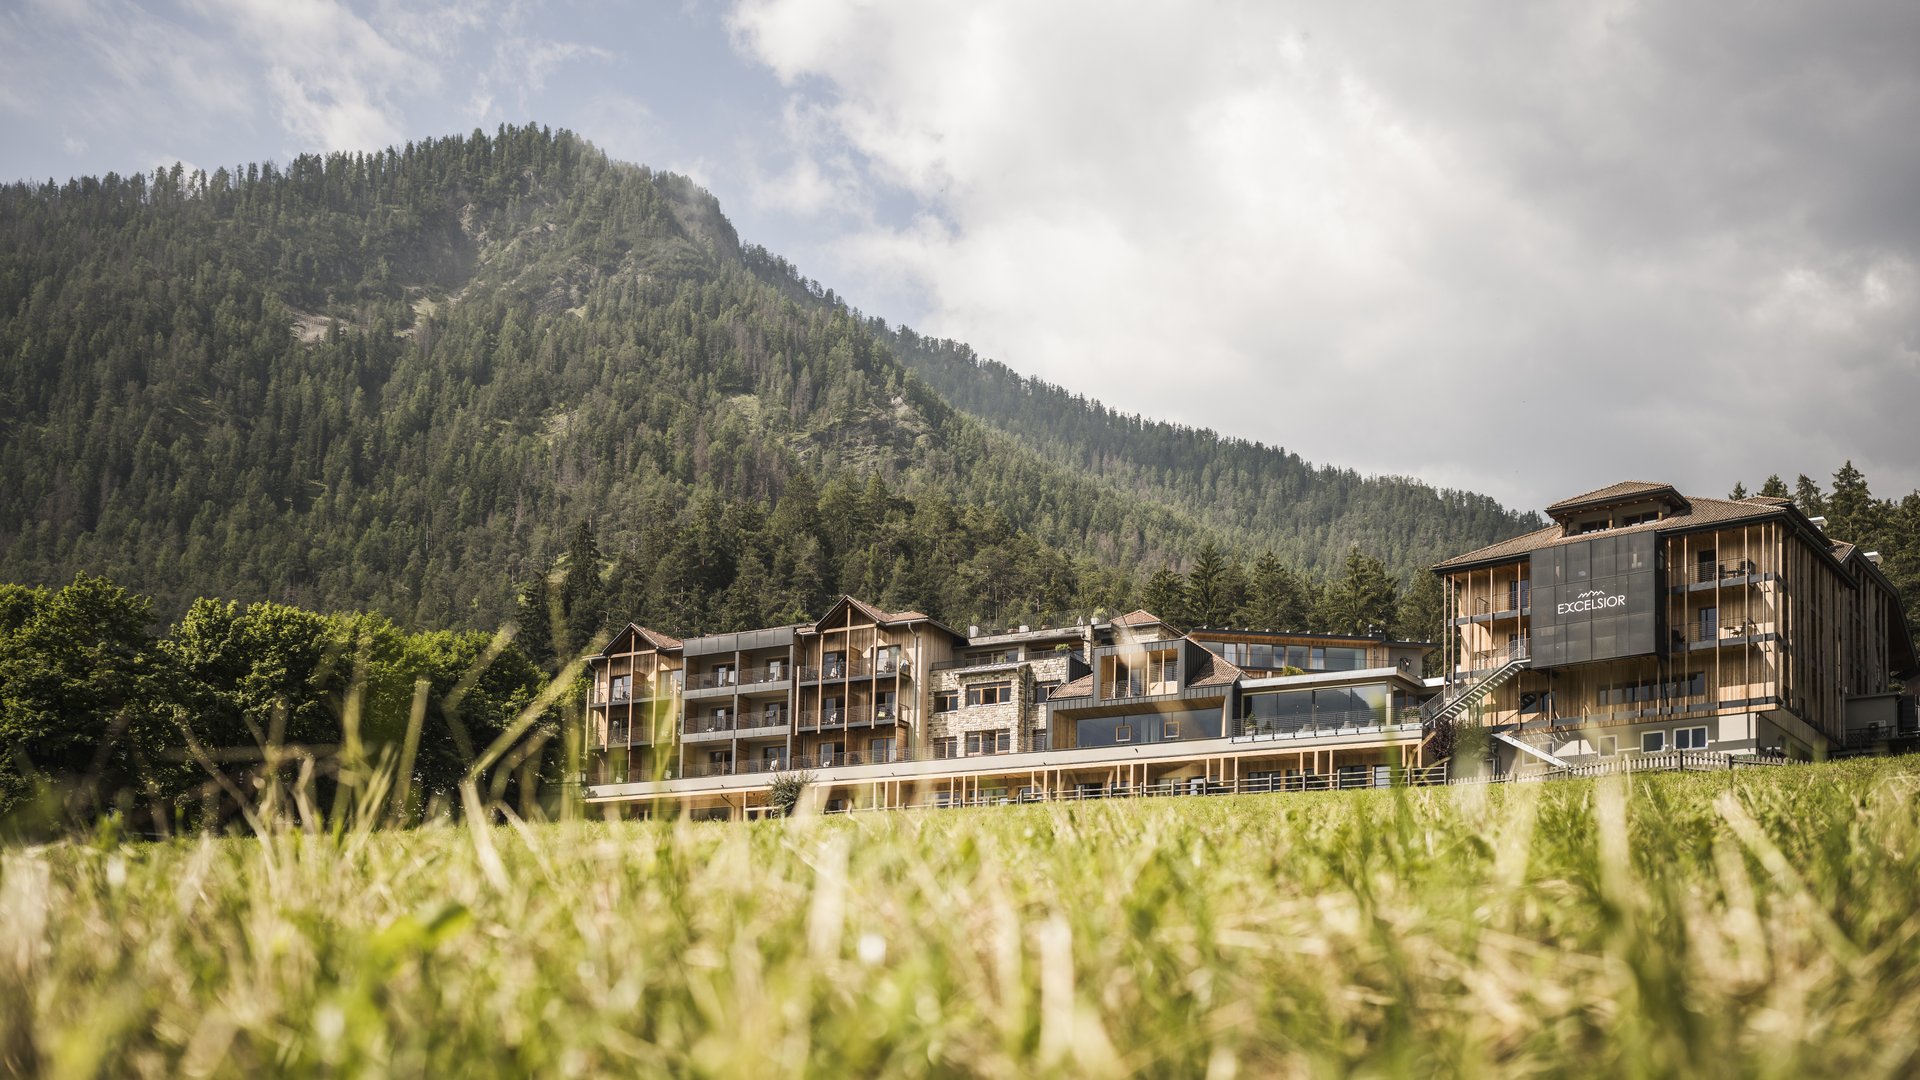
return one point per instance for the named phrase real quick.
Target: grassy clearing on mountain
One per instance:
(1759, 922)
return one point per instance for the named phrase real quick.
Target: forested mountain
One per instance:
(412, 381)
(1260, 496)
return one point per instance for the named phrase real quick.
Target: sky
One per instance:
(1520, 249)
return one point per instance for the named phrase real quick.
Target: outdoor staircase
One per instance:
(1438, 715)
(1528, 746)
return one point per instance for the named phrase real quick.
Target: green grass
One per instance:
(1754, 923)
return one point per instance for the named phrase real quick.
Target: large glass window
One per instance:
(1340, 658)
(1285, 712)
(1146, 728)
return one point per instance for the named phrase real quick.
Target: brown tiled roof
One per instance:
(883, 618)
(1216, 672)
(660, 640)
(1080, 687)
(653, 637)
(1623, 489)
(1703, 512)
(1841, 549)
(1137, 617)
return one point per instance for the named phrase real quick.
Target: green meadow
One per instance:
(1759, 922)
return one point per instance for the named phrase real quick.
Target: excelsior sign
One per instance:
(1597, 599)
(1591, 600)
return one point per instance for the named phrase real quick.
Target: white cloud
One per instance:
(334, 78)
(1510, 250)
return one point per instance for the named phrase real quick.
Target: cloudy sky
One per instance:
(1522, 249)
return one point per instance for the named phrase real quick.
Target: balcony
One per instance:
(1703, 576)
(1516, 604)
(1712, 637)
(739, 679)
(599, 698)
(1137, 687)
(847, 716)
(856, 667)
(1350, 722)
(618, 732)
(707, 725)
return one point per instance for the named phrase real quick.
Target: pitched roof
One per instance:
(883, 618)
(1215, 672)
(1700, 512)
(660, 641)
(1080, 687)
(1612, 493)
(1137, 617)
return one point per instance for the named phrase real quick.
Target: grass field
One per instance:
(1760, 922)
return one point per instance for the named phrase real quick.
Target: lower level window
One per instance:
(1609, 745)
(1690, 738)
(1652, 742)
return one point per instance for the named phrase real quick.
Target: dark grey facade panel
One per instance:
(1600, 599)
(744, 641)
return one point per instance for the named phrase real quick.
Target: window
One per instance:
(977, 743)
(1003, 741)
(776, 670)
(1690, 738)
(946, 700)
(883, 705)
(1037, 739)
(1044, 691)
(770, 756)
(1123, 733)
(1170, 729)
(836, 665)
(946, 746)
(833, 710)
(1709, 623)
(1609, 745)
(622, 687)
(775, 715)
(886, 660)
(880, 750)
(832, 753)
(1652, 742)
(1708, 567)
(995, 693)
(723, 675)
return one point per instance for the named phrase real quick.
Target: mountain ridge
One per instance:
(399, 380)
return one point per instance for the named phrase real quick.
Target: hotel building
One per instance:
(1646, 621)
(895, 709)
(1641, 621)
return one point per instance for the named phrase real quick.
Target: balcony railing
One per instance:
(617, 735)
(1114, 689)
(847, 716)
(855, 667)
(711, 680)
(1732, 633)
(1708, 571)
(1326, 723)
(701, 725)
(599, 697)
